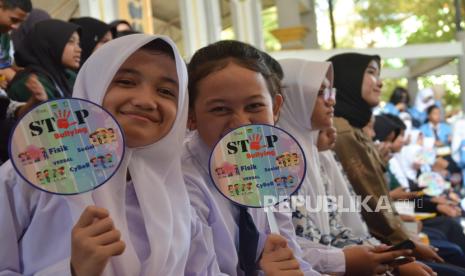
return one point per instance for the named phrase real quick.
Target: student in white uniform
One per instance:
(338, 186)
(307, 110)
(139, 222)
(230, 86)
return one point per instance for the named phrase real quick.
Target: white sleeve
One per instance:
(324, 259)
(286, 229)
(13, 221)
(61, 268)
(12, 107)
(202, 258)
(17, 209)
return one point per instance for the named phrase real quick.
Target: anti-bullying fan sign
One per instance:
(433, 183)
(66, 146)
(258, 166)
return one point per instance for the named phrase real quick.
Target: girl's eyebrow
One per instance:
(170, 80)
(220, 100)
(135, 72)
(213, 101)
(128, 71)
(258, 96)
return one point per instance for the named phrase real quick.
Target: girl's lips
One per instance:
(138, 117)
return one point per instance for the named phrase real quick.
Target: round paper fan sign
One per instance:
(67, 146)
(434, 183)
(257, 165)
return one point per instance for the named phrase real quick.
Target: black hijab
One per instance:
(92, 31)
(114, 24)
(387, 123)
(385, 126)
(349, 70)
(43, 48)
(34, 17)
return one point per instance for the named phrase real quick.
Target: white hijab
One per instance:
(408, 155)
(155, 170)
(458, 134)
(302, 81)
(397, 169)
(421, 96)
(339, 187)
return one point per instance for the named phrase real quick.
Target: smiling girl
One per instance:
(138, 223)
(230, 86)
(308, 109)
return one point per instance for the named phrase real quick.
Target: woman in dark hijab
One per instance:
(121, 25)
(49, 54)
(94, 33)
(34, 17)
(350, 104)
(122, 28)
(358, 84)
(386, 129)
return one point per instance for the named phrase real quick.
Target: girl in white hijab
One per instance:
(302, 82)
(308, 108)
(219, 103)
(424, 99)
(339, 187)
(147, 220)
(154, 168)
(409, 156)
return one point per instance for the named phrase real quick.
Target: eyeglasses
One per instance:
(427, 99)
(328, 93)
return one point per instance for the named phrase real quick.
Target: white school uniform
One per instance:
(221, 216)
(302, 81)
(152, 211)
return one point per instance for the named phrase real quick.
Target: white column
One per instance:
(288, 13)
(105, 10)
(247, 21)
(461, 67)
(200, 23)
(412, 88)
(89, 8)
(308, 19)
(412, 80)
(110, 12)
(214, 27)
(293, 30)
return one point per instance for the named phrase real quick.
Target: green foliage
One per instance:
(389, 85)
(450, 83)
(414, 21)
(452, 99)
(436, 17)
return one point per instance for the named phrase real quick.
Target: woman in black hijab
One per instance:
(386, 129)
(358, 84)
(350, 71)
(121, 26)
(49, 54)
(34, 17)
(94, 33)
